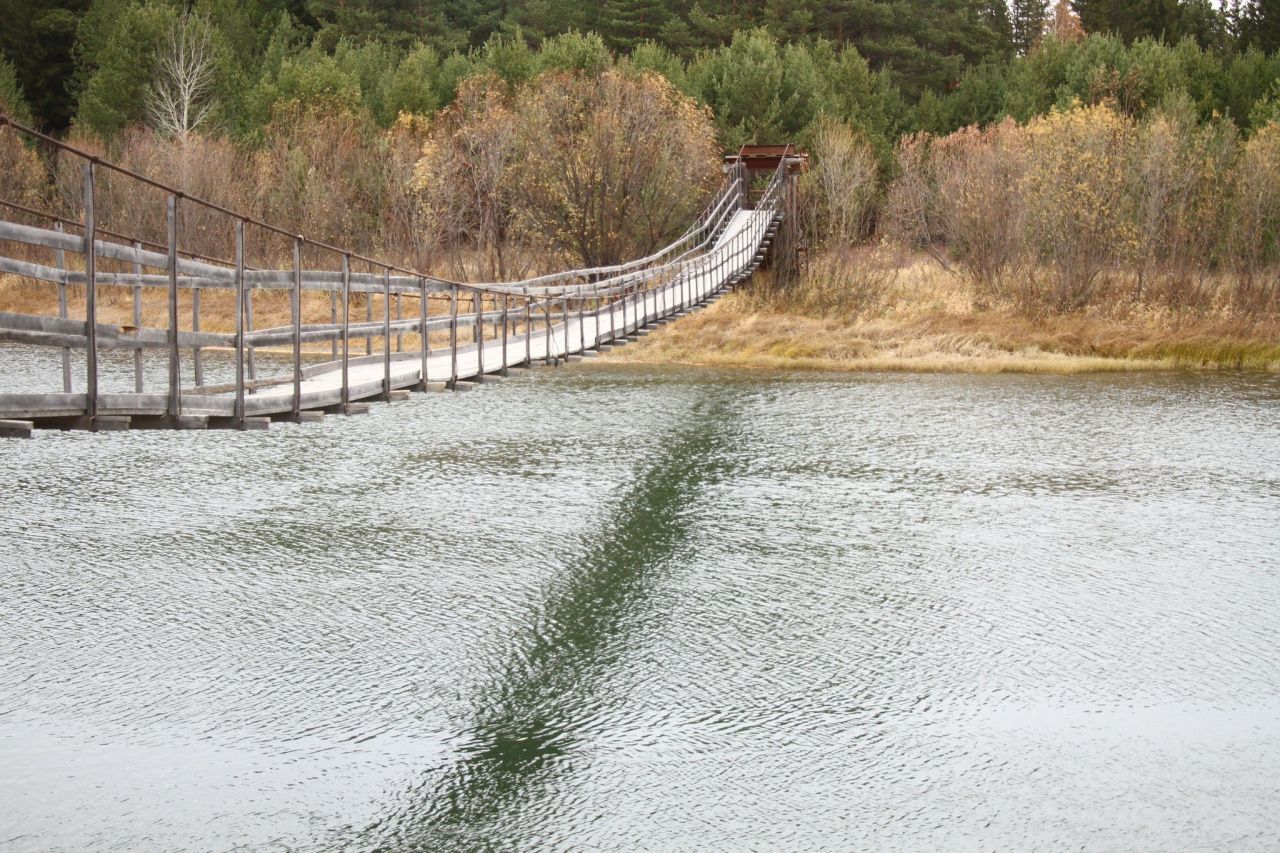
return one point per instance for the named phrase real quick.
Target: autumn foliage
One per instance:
(594, 169)
(1087, 204)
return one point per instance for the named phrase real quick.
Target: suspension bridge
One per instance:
(332, 357)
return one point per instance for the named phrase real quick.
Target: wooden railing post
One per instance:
(137, 315)
(613, 330)
(91, 296)
(197, 357)
(528, 328)
(61, 256)
(386, 334)
(368, 318)
(626, 295)
(346, 331)
(506, 305)
(175, 375)
(453, 337)
(582, 321)
(477, 331)
(546, 307)
(239, 404)
(564, 312)
(424, 344)
(333, 321)
(247, 307)
(297, 326)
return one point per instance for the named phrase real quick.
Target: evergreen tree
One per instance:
(1027, 18)
(1258, 22)
(626, 23)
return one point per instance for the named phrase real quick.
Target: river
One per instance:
(603, 607)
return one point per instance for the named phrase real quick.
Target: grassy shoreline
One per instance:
(739, 332)
(926, 324)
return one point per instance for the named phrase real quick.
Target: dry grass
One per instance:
(928, 324)
(271, 309)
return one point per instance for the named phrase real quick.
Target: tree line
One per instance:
(899, 65)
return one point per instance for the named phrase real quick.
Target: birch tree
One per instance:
(181, 96)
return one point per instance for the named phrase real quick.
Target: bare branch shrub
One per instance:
(982, 207)
(1255, 225)
(912, 215)
(406, 228)
(847, 283)
(320, 173)
(843, 187)
(464, 178)
(22, 175)
(1176, 185)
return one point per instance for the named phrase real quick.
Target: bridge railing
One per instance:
(407, 316)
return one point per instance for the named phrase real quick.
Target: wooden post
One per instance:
(175, 375)
(61, 255)
(453, 337)
(239, 404)
(477, 331)
(368, 318)
(506, 300)
(137, 316)
(582, 325)
(296, 306)
(613, 332)
(333, 321)
(546, 308)
(197, 357)
(346, 331)
(423, 343)
(528, 328)
(564, 313)
(248, 324)
(386, 334)
(399, 316)
(91, 295)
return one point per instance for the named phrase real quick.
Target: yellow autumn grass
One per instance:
(929, 325)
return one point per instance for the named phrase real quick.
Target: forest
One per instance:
(1090, 158)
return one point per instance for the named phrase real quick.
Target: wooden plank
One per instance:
(16, 429)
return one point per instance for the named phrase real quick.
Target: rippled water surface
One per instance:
(657, 609)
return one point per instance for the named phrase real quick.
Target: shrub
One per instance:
(1075, 187)
(982, 204)
(1255, 225)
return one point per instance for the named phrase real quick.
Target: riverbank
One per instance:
(926, 322)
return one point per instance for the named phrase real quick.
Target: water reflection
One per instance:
(526, 722)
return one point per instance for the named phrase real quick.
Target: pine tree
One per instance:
(1028, 20)
(627, 23)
